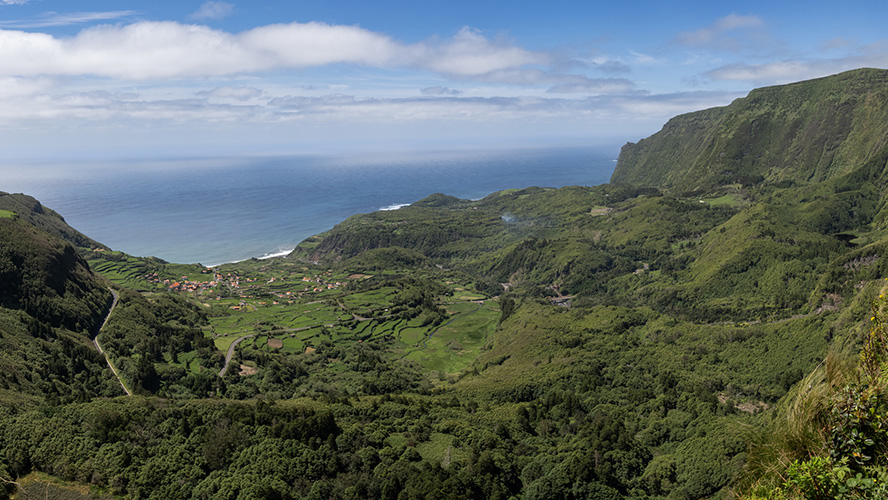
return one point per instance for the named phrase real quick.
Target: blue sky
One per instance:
(164, 78)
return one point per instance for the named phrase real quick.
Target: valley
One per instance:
(646, 338)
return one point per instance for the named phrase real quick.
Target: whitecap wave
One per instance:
(394, 207)
(278, 253)
(270, 255)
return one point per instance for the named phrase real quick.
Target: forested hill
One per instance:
(28, 209)
(51, 303)
(671, 336)
(798, 133)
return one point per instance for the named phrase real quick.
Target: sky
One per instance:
(112, 78)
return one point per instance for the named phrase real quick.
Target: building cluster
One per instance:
(321, 284)
(241, 285)
(233, 282)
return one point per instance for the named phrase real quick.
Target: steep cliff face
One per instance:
(30, 210)
(800, 133)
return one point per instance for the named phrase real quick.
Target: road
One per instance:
(234, 344)
(231, 353)
(99, 347)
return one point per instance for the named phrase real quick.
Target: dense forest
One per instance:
(711, 324)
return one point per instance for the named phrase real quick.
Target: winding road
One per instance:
(230, 353)
(234, 344)
(99, 347)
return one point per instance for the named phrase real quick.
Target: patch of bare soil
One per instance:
(246, 371)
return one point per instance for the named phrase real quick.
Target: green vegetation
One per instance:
(830, 440)
(141, 274)
(35, 214)
(50, 304)
(791, 134)
(696, 339)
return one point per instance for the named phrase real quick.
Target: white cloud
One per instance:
(104, 107)
(164, 50)
(691, 59)
(714, 34)
(20, 87)
(644, 58)
(85, 112)
(233, 93)
(783, 71)
(53, 19)
(440, 91)
(213, 10)
(612, 66)
(664, 106)
(792, 70)
(520, 109)
(13, 2)
(151, 75)
(471, 54)
(733, 34)
(316, 44)
(593, 86)
(33, 101)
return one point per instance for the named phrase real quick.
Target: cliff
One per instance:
(799, 133)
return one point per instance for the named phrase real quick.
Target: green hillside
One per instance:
(690, 330)
(51, 304)
(799, 133)
(31, 211)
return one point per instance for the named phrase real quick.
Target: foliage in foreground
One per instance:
(841, 425)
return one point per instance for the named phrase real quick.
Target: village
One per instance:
(240, 285)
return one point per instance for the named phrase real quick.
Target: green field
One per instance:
(280, 301)
(132, 272)
(454, 346)
(223, 343)
(436, 322)
(186, 360)
(729, 200)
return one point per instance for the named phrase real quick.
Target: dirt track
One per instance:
(99, 347)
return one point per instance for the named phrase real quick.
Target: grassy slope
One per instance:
(686, 315)
(32, 212)
(803, 132)
(50, 304)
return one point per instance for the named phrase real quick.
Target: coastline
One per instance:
(271, 255)
(283, 252)
(394, 206)
(261, 207)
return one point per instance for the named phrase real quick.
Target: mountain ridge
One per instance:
(802, 132)
(32, 211)
(615, 341)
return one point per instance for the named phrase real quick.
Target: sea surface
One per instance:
(217, 210)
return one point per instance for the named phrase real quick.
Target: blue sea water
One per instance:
(216, 210)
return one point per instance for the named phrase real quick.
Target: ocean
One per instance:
(217, 210)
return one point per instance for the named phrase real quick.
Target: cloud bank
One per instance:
(312, 78)
(165, 50)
